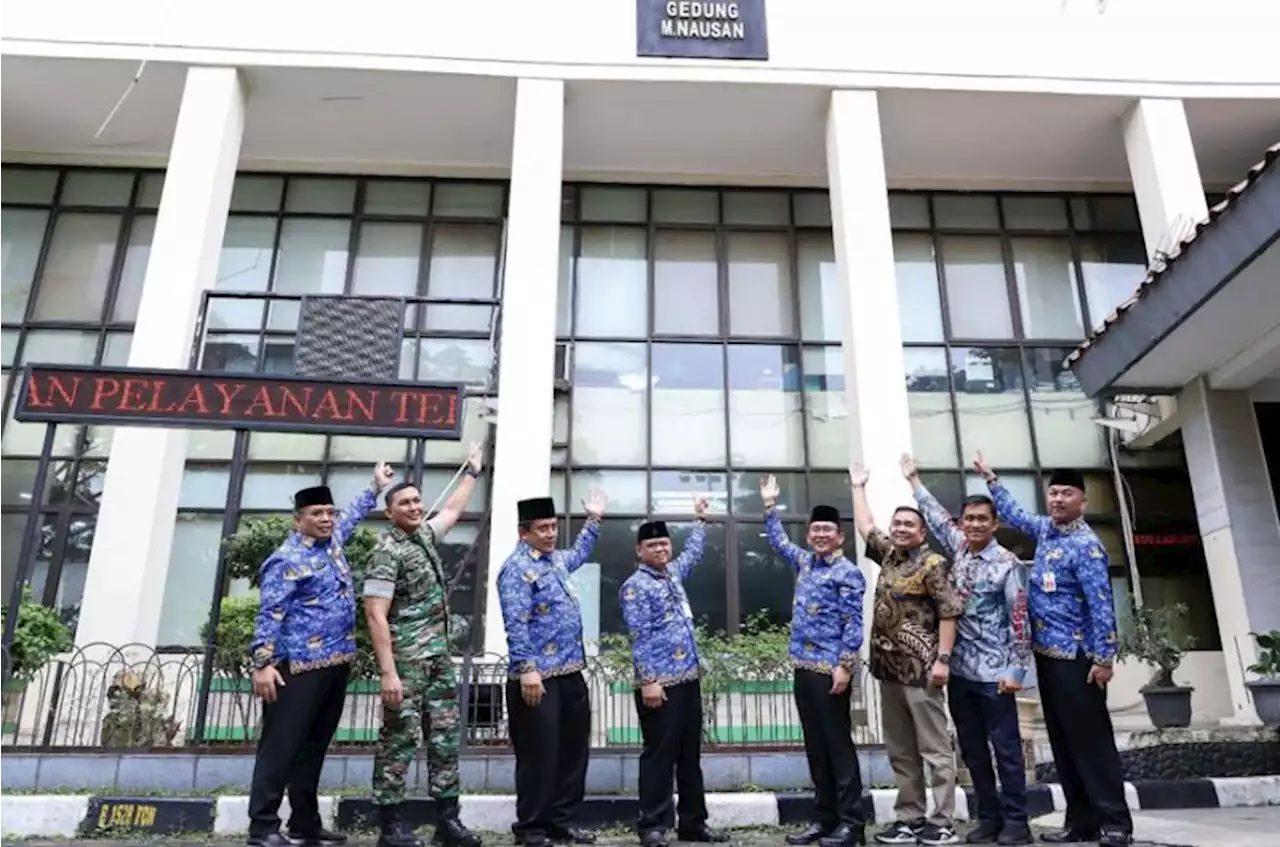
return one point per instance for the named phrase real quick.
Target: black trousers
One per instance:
(828, 744)
(672, 740)
(552, 741)
(983, 716)
(1084, 745)
(296, 731)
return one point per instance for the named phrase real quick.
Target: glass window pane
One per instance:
(22, 231)
(464, 265)
(992, 409)
(977, 297)
(468, 200)
(933, 434)
(760, 285)
(1117, 212)
(256, 193)
(188, 587)
(560, 421)
(27, 439)
(116, 352)
(433, 485)
(81, 488)
(1113, 268)
(475, 427)
(1100, 493)
(1025, 488)
(150, 191)
(397, 197)
(820, 303)
(763, 208)
(272, 487)
(832, 489)
(279, 446)
(77, 270)
(965, 211)
(132, 275)
(210, 444)
(613, 283)
(9, 342)
(228, 353)
(75, 566)
(947, 487)
(17, 482)
(674, 492)
(919, 300)
(1066, 435)
(387, 260)
(706, 585)
(685, 286)
(29, 185)
(312, 260)
(321, 195)
(610, 405)
(564, 284)
(1047, 289)
(685, 206)
(766, 584)
(568, 203)
(765, 426)
(598, 581)
(792, 499)
(97, 188)
(1034, 213)
(626, 490)
(908, 211)
(455, 359)
(60, 347)
(614, 205)
(825, 410)
(812, 208)
(369, 450)
(688, 405)
(204, 487)
(243, 265)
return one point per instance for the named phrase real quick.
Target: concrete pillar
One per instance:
(124, 586)
(875, 384)
(526, 350)
(1166, 178)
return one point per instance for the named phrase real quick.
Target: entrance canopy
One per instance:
(1212, 308)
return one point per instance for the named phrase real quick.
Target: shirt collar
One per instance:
(1071, 527)
(827, 560)
(297, 539)
(400, 535)
(525, 549)
(653, 572)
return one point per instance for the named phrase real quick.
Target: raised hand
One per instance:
(858, 475)
(984, 470)
(769, 490)
(910, 469)
(475, 457)
(594, 503)
(382, 475)
(700, 505)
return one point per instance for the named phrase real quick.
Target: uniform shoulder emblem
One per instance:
(1095, 552)
(530, 575)
(629, 593)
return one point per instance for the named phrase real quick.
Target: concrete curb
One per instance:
(66, 816)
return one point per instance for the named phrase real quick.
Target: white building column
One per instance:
(124, 586)
(527, 347)
(1170, 195)
(875, 387)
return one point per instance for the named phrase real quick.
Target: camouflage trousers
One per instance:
(430, 708)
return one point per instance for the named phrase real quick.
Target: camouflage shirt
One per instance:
(407, 570)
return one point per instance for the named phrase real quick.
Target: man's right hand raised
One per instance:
(910, 469)
(983, 469)
(769, 491)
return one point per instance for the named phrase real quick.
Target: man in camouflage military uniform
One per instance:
(405, 603)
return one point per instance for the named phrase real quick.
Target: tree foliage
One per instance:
(38, 636)
(258, 538)
(1268, 664)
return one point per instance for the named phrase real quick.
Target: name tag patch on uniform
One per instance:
(1050, 582)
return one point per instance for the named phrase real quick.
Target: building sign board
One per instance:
(702, 29)
(118, 816)
(200, 400)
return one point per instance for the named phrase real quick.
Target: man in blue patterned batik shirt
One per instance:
(303, 644)
(826, 635)
(1073, 626)
(550, 710)
(989, 661)
(659, 620)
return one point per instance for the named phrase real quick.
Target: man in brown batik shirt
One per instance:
(913, 631)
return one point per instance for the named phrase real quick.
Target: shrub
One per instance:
(38, 636)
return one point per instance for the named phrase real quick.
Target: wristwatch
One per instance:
(944, 658)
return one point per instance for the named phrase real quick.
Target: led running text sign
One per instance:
(198, 400)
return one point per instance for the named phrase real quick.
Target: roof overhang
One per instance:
(1212, 309)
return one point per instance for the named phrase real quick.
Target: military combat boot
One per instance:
(393, 831)
(450, 831)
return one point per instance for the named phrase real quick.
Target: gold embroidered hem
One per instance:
(303, 667)
(668, 681)
(1055, 652)
(1099, 661)
(817, 667)
(562, 670)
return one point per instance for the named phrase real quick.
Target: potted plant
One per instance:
(1266, 691)
(38, 636)
(1158, 640)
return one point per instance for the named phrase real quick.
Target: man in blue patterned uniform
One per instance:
(989, 661)
(1073, 625)
(826, 635)
(668, 692)
(303, 643)
(547, 698)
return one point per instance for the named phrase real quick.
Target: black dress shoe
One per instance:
(986, 832)
(1015, 833)
(271, 839)
(811, 834)
(653, 838)
(702, 835)
(1114, 838)
(844, 835)
(1069, 836)
(320, 838)
(572, 835)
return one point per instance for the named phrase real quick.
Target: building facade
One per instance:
(883, 235)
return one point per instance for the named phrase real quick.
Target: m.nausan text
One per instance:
(694, 19)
